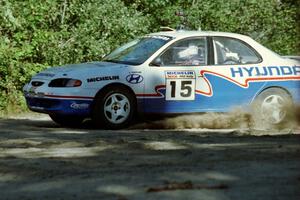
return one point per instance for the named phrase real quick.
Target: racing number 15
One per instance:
(178, 89)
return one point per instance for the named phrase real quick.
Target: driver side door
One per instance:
(172, 78)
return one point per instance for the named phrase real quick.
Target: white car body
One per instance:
(151, 87)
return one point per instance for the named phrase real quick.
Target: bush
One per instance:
(271, 22)
(35, 34)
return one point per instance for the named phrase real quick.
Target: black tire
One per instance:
(66, 120)
(114, 108)
(273, 108)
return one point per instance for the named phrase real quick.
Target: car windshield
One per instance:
(137, 51)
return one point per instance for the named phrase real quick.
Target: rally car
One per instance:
(170, 72)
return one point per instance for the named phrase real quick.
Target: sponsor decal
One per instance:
(180, 74)
(104, 78)
(265, 71)
(134, 78)
(79, 106)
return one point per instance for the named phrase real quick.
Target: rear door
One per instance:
(234, 77)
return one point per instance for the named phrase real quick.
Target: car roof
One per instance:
(181, 34)
(185, 33)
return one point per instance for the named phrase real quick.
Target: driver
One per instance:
(192, 55)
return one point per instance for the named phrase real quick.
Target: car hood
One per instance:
(77, 68)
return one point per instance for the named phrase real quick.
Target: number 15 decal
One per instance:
(180, 89)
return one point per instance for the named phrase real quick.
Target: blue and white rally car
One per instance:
(169, 72)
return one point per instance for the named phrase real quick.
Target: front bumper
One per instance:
(59, 106)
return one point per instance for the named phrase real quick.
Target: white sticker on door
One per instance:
(180, 85)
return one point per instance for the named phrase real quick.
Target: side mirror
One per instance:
(156, 62)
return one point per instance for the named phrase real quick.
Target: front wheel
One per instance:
(114, 108)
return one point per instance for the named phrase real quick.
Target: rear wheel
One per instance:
(66, 120)
(273, 108)
(114, 108)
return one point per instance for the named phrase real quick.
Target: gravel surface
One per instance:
(40, 160)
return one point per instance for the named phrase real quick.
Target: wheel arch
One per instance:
(263, 116)
(100, 91)
(271, 87)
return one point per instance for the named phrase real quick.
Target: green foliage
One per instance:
(273, 23)
(35, 34)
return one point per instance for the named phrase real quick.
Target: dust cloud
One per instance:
(235, 119)
(238, 118)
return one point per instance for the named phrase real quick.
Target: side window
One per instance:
(230, 51)
(187, 52)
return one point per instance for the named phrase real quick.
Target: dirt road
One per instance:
(39, 160)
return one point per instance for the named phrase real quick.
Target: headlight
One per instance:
(65, 82)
